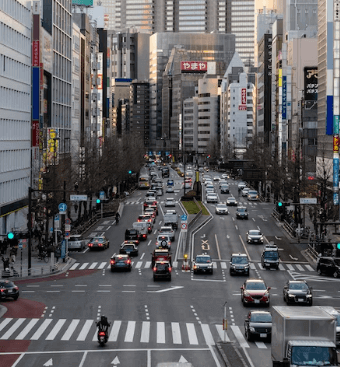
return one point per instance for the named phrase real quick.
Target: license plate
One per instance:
(300, 300)
(263, 335)
(257, 301)
(10, 291)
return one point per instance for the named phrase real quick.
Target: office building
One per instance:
(15, 113)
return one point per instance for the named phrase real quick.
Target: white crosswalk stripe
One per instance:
(176, 333)
(261, 345)
(115, 331)
(130, 331)
(12, 329)
(145, 334)
(222, 334)
(192, 334)
(27, 329)
(160, 332)
(70, 330)
(239, 336)
(41, 329)
(85, 330)
(56, 329)
(216, 265)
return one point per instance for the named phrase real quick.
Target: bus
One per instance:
(144, 182)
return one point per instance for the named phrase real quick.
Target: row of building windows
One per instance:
(191, 29)
(62, 42)
(14, 69)
(13, 190)
(15, 40)
(11, 129)
(203, 125)
(17, 11)
(204, 132)
(62, 16)
(15, 99)
(12, 160)
(204, 117)
(192, 17)
(189, 7)
(61, 116)
(61, 91)
(203, 139)
(61, 67)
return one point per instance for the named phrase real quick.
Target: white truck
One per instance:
(171, 220)
(303, 337)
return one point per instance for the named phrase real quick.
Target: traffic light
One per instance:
(130, 172)
(98, 201)
(279, 204)
(338, 246)
(10, 235)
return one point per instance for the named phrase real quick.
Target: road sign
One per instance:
(56, 217)
(67, 221)
(51, 229)
(78, 197)
(308, 200)
(56, 222)
(184, 218)
(184, 226)
(67, 227)
(62, 208)
(102, 195)
(67, 235)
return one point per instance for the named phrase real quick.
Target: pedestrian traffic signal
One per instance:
(98, 201)
(10, 235)
(279, 203)
(338, 246)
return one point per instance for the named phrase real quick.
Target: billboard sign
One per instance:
(335, 143)
(194, 66)
(244, 96)
(242, 108)
(35, 53)
(284, 97)
(82, 2)
(311, 83)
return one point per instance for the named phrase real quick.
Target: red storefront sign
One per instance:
(35, 133)
(35, 53)
(194, 66)
(242, 108)
(243, 96)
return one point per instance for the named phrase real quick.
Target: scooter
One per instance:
(102, 338)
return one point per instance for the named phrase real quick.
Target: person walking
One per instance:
(57, 253)
(12, 257)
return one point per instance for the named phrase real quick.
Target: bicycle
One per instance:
(43, 256)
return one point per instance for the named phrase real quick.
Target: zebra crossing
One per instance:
(129, 332)
(141, 202)
(223, 265)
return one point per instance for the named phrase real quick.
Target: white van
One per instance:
(142, 228)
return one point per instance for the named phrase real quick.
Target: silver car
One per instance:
(75, 242)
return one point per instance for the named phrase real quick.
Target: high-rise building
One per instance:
(241, 22)
(15, 113)
(151, 16)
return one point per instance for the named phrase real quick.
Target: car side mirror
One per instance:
(269, 288)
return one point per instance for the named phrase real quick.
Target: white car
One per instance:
(253, 195)
(170, 189)
(170, 202)
(212, 198)
(163, 241)
(225, 176)
(167, 231)
(242, 185)
(221, 209)
(245, 191)
(222, 182)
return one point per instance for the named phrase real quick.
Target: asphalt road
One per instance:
(53, 322)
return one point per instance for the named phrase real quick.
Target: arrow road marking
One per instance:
(116, 361)
(182, 360)
(49, 363)
(166, 290)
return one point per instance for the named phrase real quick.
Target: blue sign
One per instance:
(56, 217)
(35, 93)
(329, 119)
(184, 218)
(63, 249)
(335, 172)
(167, 153)
(150, 153)
(102, 195)
(62, 207)
(335, 198)
(284, 98)
(51, 229)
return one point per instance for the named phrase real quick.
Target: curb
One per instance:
(3, 310)
(222, 354)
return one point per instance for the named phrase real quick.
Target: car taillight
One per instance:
(139, 220)
(156, 243)
(16, 288)
(144, 235)
(195, 266)
(100, 244)
(137, 242)
(170, 268)
(128, 261)
(154, 269)
(2, 290)
(90, 245)
(112, 262)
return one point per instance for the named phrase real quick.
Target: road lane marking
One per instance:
(143, 254)
(93, 265)
(245, 248)
(12, 329)
(160, 332)
(83, 266)
(309, 267)
(56, 329)
(192, 333)
(218, 247)
(102, 265)
(130, 331)
(139, 264)
(74, 266)
(239, 336)
(145, 334)
(115, 331)
(149, 243)
(70, 330)
(223, 265)
(300, 267)
(85, 330)
(176, 333)
(290, 267)
(222, 334)
(261, 345)
(27, 329)
(41, 329)
(147, 264)
(236, 227)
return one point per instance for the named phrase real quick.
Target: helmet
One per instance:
(103, 319)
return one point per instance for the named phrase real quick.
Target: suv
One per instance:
(132, 234)
(162, 270)
(203, 263)
(239, 264)
(270, 257)
(167, 231)
(329, 266)
(241, 212)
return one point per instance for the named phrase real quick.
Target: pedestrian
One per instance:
(4, 246)
(5, 261)
(57, 253)
(12, 257)
(1, 246)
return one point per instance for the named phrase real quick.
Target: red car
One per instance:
(255, 292)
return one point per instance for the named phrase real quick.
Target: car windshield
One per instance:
(261, 317)
(231, 199)
(99, 239)
(255, 286)
(252, 192)
(298, 286)
(313, 356)
(271, 254)
(224, 186)
(255, 233)
(221, 206)
(241, 210)
(6, 284)
(203, 259)
(129, 247)
(239, 260)
(132, 231)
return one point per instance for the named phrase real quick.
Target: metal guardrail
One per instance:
(312, 253)
(31, 273)
(289, 228)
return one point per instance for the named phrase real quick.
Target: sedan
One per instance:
(128, 248)
(212, 198)
(241, 185)
(221, 209)
(224, 175)
(231, 201)
(170, 202)
(99, 243)
(245, 191)
(224, 189)
(120, 262)
(258, 324)
(8, 290)
(255, 292)
(254, 236)
(170, 189)
(298, 291)
(216, 178)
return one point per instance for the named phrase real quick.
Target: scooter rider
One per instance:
(117, 217)
(103, 324)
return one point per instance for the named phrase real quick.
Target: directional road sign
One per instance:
(67, 235)
(51, 229)
(308, 200)
(184, 218)
(102, 195)
(78, 197)
(62, 208)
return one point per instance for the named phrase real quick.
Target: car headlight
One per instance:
(291, 295)
(210, 265)
(233, 266)
(309, 295)
(246, 266)
(249, 238)
(252, 329)
(261, 238)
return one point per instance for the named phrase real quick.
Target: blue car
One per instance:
(170, 183)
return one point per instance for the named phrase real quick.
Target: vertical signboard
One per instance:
(35, 74)
(284, 98)
(243, 96)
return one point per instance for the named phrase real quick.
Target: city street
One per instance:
(53, 321)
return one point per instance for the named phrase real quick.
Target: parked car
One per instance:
(298, 291)
(328, 266)
(258, 325)
(255, 292)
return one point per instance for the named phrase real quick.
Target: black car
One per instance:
(258, 324)
(162, 270)
(132, 234)
(224, 189)
(270, 257)
(328, 266)
(239, 264)
(120, 262)
(8, 290)
(254, 236)
(241, 212)
(297, 291)
(129, 249)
